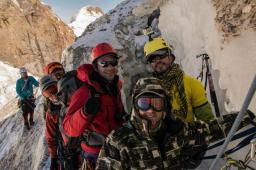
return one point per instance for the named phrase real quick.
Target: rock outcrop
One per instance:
(234, 17)
(31, 35)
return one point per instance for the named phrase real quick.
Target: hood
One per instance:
(84, 73)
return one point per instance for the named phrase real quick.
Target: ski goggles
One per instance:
(105, 64)
(50, 92)
(145, 103)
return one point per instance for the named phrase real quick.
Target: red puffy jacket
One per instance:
(75, 122)
(51, 131)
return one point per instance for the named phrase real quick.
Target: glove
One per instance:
(227, 121)
(54, 164)
(92, 106)
(215, 130)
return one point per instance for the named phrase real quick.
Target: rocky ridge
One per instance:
(31, 35)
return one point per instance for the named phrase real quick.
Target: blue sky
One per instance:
(67, 8)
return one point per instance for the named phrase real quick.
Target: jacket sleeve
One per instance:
(110, 157)
(201, 107)
(34, 81)
(51, 134)
(75, 121)
(204, 112)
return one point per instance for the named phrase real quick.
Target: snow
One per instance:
(83, 19)
(192, 30)
(16, 3)
(105, 33)
(8, 77)
(189, 26)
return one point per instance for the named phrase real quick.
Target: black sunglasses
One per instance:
(155, 58)
(113, 63)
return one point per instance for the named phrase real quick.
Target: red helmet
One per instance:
(101, 50)
(49, 68)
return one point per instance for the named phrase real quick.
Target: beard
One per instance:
(161, 67)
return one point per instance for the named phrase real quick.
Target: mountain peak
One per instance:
(84, 17)
(93, 10)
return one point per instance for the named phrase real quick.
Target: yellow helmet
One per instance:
(155, 46)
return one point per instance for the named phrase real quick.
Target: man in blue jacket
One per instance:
(24, 89)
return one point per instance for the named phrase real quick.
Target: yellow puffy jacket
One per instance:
(198, 106)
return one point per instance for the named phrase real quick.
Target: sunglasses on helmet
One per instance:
(147, 102)
(113, 63)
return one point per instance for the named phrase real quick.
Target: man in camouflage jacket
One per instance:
(153, 139)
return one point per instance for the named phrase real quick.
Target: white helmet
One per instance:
(23, 70)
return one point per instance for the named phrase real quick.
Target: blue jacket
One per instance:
(23, 90)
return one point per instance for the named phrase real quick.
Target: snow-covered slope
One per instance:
(84, 17)
(22, 149)
(8, 77)
(189, 26)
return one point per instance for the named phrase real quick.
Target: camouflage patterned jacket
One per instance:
(174, 147)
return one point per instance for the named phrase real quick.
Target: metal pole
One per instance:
(237, 121)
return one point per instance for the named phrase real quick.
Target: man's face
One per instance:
(153, 116)
(160, 64)
(151, 108)
(107, 67)
(58, 74)
(24, 75)
(50, 93)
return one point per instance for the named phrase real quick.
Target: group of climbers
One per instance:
(87, 127)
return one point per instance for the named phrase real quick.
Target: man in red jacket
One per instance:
(96, 108)
(61, 157)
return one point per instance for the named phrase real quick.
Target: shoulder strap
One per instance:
(25, 86)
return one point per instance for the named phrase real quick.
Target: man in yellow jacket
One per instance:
(187, 95)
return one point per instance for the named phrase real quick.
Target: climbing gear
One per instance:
(23, 70)
(151, 48)
(46, 82)
(51, 67)
(237, 121)
(152, 29)
(92, 138)
(113, 63)
(67, 85)
(208, 78)
(101, 50)
(230, 162)
(146, 102)
(253, 149)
